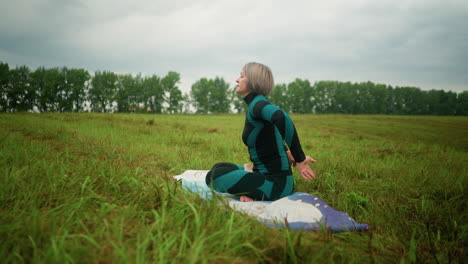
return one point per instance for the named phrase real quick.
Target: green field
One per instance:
(98, 188)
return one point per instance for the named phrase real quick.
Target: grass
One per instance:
(98, 188)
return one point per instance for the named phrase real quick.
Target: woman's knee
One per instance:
(219, 169)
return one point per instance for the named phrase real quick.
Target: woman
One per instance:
(267, 129)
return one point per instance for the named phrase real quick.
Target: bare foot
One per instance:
(248, 167)
(244, 198)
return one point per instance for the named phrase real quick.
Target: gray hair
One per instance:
(259, 78)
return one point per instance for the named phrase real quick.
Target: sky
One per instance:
(420, 43)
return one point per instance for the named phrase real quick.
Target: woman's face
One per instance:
(242, 85)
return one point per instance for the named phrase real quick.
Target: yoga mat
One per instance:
(298, 211)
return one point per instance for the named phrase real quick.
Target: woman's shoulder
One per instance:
(259, 98)
(259, 104)
(259, 101)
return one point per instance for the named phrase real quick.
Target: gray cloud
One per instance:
(414, 42)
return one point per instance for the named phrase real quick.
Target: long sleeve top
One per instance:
(266, 129)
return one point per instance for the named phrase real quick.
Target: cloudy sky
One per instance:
(422, 43)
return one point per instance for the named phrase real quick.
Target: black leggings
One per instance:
(233, 179)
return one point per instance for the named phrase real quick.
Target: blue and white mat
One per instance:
(299, 211)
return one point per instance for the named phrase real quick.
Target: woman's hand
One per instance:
(291, 158)
(303, 167)
(248, 167)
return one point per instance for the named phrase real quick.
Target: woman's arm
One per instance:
(285, 126)
(266, 111)
(303, 167)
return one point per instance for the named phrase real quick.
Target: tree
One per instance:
(447, 103)
(38, 84)
(440, 102)
(4, 84)
(280, 97)
(366, 102)
(184, 104)
(102, 92)
(219, 101)
(322, 96)
(345, 98)
(53, 91)
(210, 96)
(63, 94)
(58, 89)
(380, 98)
(172, 92)
(20, 94)
(300, 95)
(462, 103)
(154, 94)
(41, 80)
(237, 101)
(129, 92)
(77, 80)
(199, 94)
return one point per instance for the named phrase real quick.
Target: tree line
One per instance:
(77, 90)
(300, 96)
